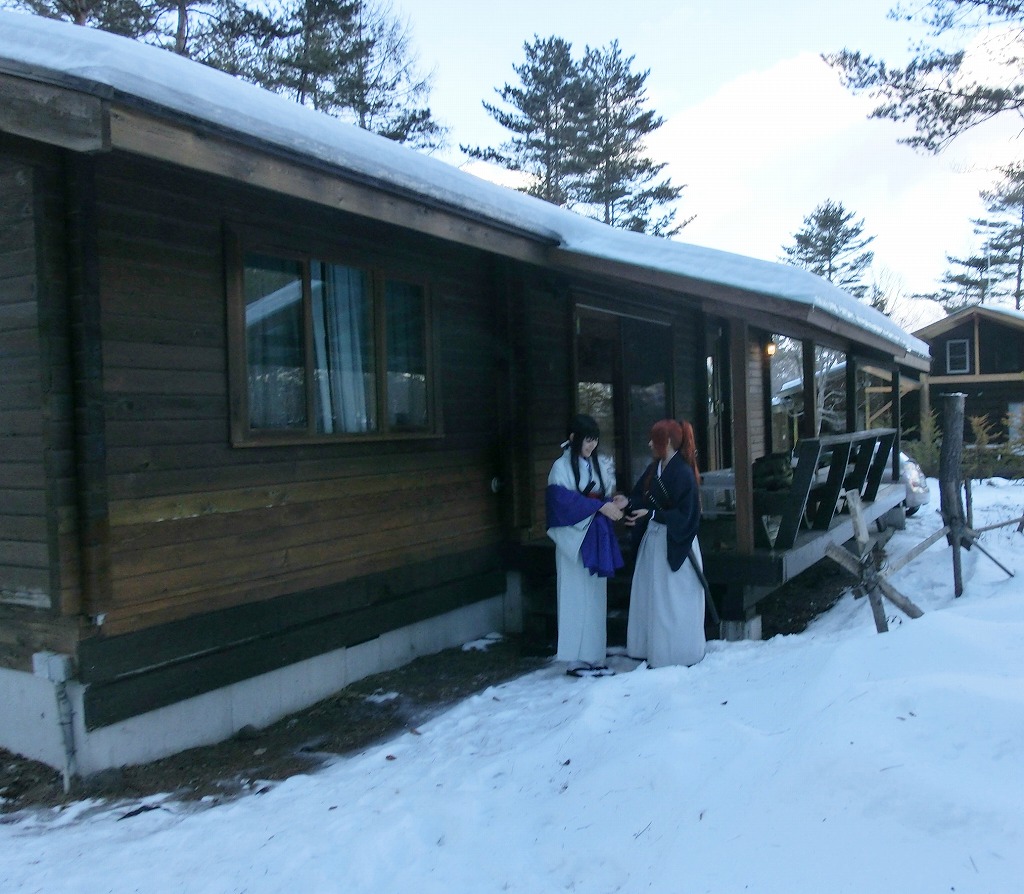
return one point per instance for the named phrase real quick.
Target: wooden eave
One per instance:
(84, 116)
(53, 115)
(72, 118)
(758, 309)
(965, 316)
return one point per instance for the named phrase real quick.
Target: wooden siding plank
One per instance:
(25, 630)
(24, 530)
(338, 545)
(361, 461)
(275, 545)
(105, 657)
(120, 620)
(25, 553)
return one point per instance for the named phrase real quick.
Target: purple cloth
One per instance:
(600, 550)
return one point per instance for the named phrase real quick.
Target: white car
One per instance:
(916, 483)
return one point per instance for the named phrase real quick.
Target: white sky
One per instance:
(756, 124)
(835, 760)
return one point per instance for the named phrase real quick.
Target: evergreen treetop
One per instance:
(832, 244)
(578, 132)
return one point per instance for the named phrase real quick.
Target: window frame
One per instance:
(966, 343)
(241, 242)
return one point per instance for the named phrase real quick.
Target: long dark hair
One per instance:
(583, 426)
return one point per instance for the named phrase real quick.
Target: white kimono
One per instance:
(582, 596)
(666, 608)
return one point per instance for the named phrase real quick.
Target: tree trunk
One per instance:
(950, 478)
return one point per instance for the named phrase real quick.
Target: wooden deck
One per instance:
(795, 524)
(768, 568)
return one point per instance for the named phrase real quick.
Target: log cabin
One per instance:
(280, 397)
(978, 351)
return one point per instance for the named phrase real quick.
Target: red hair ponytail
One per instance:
(679, 436)
(688, 448)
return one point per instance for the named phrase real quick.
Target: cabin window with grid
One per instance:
(958, 356)
(331, 350)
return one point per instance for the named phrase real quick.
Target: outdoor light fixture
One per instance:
(771, 348)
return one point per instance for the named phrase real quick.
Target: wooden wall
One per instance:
(1001, 352)
(39, 594)
(191, 544)
(549, 391)
(758, 422)
(689, 389)
(1002, 348)
(938, 346)
(24, 538)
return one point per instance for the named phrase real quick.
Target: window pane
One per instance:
(343, 350)
(956, 356)
(405, 305)
(275, 354)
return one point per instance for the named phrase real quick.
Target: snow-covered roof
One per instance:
(1006, 315)
(128, 71)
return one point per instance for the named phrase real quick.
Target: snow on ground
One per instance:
(837, 760)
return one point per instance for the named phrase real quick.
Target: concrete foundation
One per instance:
(733, 631)
(31, 704)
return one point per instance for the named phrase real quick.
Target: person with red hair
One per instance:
(666, 605)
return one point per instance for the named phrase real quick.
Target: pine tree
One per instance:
(547, 116)
(966, 283)
(621, 184)
(348, 58)
(129, 18)
(384, 92)
(995, 273)
(579, 130)
(941, 91)
(317, 50)
(238, 39)
(1004, 233)
(832, 245)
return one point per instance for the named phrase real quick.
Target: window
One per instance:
(957, 356)
(329, 350)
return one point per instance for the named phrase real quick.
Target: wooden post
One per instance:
(897, 422)
(739, 341)
(851, 394)
(950, 474)
(809, 425)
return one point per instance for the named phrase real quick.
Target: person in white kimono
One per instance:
(581, 506)
(666, 602)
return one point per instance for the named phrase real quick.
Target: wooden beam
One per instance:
(897, 423)
(772, 313)
(53, 115)
(146, 135)
(89, 395)
(977, 347)
(739, 334)
(851, 393)
(809, 422)
(977, 379)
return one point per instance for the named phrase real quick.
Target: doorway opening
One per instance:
(623, 380)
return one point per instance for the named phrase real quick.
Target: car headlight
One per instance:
(913, 475)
